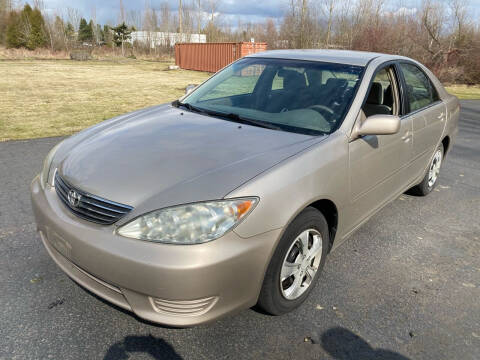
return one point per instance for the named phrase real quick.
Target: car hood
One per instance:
(166, 156)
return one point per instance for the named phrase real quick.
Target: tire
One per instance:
(279, 297)
(428, 184)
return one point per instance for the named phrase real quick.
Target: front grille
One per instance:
(88, 206)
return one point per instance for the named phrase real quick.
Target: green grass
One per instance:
(42, 98)
(465, 92)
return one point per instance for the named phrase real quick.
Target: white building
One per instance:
(155, 38)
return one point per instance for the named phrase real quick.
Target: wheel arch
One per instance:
(330, 212)
(446, 144)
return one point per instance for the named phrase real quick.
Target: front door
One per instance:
(378, 163)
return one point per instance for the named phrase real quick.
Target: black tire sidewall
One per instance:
(271, 298)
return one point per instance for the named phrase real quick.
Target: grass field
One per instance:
(465, 92)
(42, 98)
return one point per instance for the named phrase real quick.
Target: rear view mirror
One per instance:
(379, 125)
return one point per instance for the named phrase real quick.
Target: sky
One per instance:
(232, 11)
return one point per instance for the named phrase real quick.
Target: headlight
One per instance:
(47, 163)
(189, 224)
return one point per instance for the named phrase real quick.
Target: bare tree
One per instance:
(74, 16)
(328, 9)
(121, 13)
(199, 12)
(459, 14)
(213, 6)
(165, 17)
(150, 25)
(180, 13)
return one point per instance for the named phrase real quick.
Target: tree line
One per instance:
(29, 28)
(444, 35)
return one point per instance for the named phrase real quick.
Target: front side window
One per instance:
(420, 90)
(382, 97)
(291, 95)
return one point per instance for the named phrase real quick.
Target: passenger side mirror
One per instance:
(190, 88)
(379, 125)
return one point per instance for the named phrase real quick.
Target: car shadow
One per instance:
(342, 344)
(131, 346)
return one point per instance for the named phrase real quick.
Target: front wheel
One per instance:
(296, 263)
(431, 177)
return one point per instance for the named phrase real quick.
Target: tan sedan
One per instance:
(234, 195)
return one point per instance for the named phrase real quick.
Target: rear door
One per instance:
(427, 113)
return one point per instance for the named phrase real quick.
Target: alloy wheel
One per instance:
(434, 168)
(301, 264)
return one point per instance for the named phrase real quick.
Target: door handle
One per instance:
(441, 116)
(406, 137)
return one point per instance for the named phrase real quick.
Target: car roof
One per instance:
(360, 58)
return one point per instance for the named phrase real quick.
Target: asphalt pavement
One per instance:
(405, 286)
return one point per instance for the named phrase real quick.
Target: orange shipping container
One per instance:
(212, 57)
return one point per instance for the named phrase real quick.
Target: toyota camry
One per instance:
(235, 194)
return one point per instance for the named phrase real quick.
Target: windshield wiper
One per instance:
(247, 121)
(231, 116)
(190, 107)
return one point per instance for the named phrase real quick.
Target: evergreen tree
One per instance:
(5, 9)
(90, 30)
(26, 29)
(85, 31)
(37, 37)
(100, 35)
(14, 38)
(107, 35)
(121, 34)
(69, 31)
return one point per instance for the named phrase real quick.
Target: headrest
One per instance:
(375, 96)
(336, 83)
(292, 79)
(388, 96)
(314, 77)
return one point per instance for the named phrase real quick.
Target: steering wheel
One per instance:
(323, 110)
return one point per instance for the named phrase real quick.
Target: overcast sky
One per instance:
(232, 10)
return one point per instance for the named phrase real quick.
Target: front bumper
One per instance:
(176, 285)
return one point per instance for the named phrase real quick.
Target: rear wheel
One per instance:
(431, 177)
(296, 263)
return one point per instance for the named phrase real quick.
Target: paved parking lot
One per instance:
(405, 286)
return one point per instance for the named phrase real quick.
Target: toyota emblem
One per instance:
(74, 198)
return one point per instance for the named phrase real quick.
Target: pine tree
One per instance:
(85, 31)
(122, 33)
(5, 9)
(14, 37)
(100, 35)
(69, 31)
(107, 35)
(90, 30)
(37, 37)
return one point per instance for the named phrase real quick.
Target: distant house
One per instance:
(155, 38)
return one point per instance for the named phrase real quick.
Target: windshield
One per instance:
(307, 97)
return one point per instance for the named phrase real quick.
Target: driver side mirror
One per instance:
(379, 125)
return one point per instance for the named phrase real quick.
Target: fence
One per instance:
(212, 57)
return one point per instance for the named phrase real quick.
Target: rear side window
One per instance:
(420, 90)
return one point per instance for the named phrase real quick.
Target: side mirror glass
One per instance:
(379, 125)
(190, 88)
